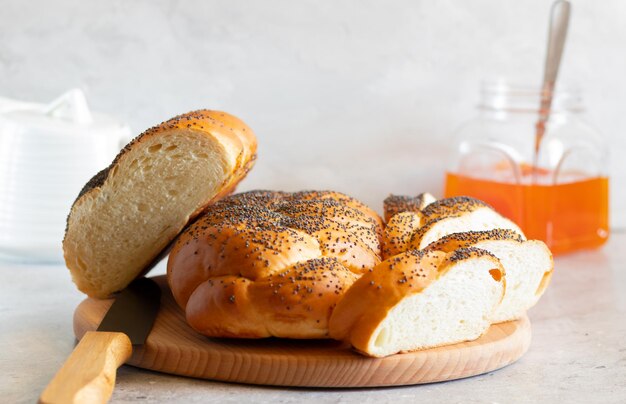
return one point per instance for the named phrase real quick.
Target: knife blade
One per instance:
(88, 375)
(134, 310)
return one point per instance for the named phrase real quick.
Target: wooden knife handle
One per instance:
(88, 375)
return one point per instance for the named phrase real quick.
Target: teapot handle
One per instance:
(72, 106)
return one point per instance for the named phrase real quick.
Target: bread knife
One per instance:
(88, 375)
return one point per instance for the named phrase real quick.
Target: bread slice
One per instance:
(457, 215)
(528, 266)
(418, 300)
(128, 214)
(423, 220)
(395, 204)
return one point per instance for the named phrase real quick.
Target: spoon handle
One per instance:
(559, 21)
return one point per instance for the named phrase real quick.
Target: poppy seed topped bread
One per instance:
(528, 266)
(420, 299)
(395, 204)
(128, 214)
(263, 263)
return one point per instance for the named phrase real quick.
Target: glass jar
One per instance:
(557, 189)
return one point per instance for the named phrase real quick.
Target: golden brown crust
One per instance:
(213, 250)
(295, 302)
(450, 207)
(258, 234)
(398, 232)
(345, 199)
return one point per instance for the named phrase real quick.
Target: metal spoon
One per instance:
(559, 21)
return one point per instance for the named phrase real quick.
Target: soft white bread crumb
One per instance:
(420, 299)
(528, 266)
(458, 307)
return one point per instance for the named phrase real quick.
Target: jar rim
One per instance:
(506, 95)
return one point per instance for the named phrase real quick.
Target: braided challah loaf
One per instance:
(262, 263)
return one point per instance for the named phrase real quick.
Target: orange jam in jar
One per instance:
(567, 216)
(562, 197)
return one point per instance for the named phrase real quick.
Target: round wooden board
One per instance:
(173, 347)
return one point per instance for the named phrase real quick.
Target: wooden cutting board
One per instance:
(173, 347)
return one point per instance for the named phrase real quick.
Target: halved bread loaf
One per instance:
(528, 266)
(418, 300)
(128, 214)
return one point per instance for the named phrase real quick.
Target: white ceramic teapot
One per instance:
(47, 153)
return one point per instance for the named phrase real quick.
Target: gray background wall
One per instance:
(362, 96)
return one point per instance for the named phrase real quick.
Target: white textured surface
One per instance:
(372, 89)
(578, 353)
